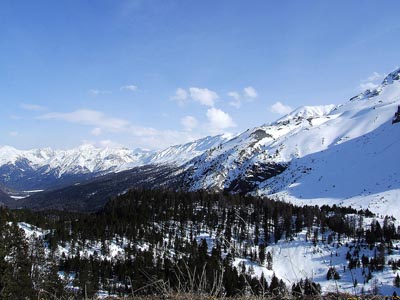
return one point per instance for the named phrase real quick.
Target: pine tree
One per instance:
(16, 282)
(396, 281)
(269, 261)
(261, 253)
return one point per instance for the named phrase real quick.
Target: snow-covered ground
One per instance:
(298, 259)
(293, 259)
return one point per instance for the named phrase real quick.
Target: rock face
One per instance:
(396, 118)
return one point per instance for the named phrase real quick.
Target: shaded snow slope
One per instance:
(250, 158)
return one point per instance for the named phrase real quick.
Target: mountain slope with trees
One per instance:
(148, 242)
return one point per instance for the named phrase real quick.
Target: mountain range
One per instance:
(41, 169)
(344, 155)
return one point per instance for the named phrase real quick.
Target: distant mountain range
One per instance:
(344, 155)
(23, 170)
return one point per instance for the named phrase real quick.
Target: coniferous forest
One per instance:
(160, 243)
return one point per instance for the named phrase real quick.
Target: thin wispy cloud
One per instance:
(129, 87)
(280, 108)
(109, 144)
(32, 107)
(236, 99)
(95, 92)
(181, 96)
(250, 92)
(141, 136)
(371, 82)
(96, 131)
(13, 133)
(90, 118)
(15, 117)
(368, 86)
(189, 123)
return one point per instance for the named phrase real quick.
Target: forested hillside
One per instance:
(160, 242)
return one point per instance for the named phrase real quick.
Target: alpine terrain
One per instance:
(344, 155)
(40, 169)
(304, 207)
(315, 155)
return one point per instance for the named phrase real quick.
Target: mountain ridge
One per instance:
(283, 159)
(48, 169)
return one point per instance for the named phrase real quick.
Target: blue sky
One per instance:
(154, 73)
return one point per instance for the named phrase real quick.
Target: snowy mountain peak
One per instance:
(26, 169)
(369, 93)
(391, 77)
(306, 112)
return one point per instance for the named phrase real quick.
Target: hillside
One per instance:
(91, 195)
(4, 197)
(209, 245)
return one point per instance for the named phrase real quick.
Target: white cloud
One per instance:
(32, 107)
(189, 123)
(250, 92)
(166, 138)
(203, 95)
(129, 87)
(219, 120)
(236, 102)
(375, 76)
(96, 131)
(90, 118)
(234, 95)
(368, 86)
(110, 144)
(137, 136)
(14, 117)
(372, 82)
(13, 133)
(280, 108)
(103, 144)
(181, 96)
(95, 92)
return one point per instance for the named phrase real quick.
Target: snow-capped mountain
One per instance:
(255, 155)
(315, 155)
(344, 154)
(47, 168)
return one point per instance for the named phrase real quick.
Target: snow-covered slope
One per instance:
(44, 168)
(179, 154)
(316, 155)
(83, 159)
(241, 163)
